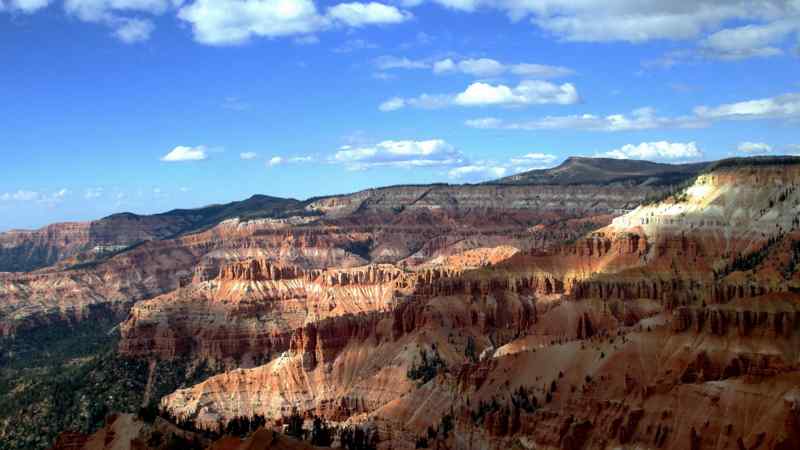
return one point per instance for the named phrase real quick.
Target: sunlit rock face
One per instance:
(644, 333)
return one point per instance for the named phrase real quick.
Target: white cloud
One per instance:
(231, 22)
(489, 170)
(226, 22)
(480, 94)
(423, 101)
(786, 106)
(445, 65)
(631, 20)
(477, 67)
(749, 41)
(183, 153)
(528, 92)
(536, 158)
(25, 6)
(481, 67)
(477, 172)
(392, 104)
(781, 107)
(754, 147)
(639, 119)
(116, 14)
(656, 150)
(47, 199)
(758, 32)
(109, 10)
(359, 14)
(248, 155)
(404, 153)
(134, 30)
(279, 160)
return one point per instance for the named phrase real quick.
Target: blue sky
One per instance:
(148, 105)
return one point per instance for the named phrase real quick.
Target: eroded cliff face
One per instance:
(525, 316)
(674, 327)
(26, 250)
(22, 250)
(403, 226)
(252, 309)
(348, 365)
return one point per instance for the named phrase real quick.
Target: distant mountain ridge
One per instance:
(25, 250)
(602, 171)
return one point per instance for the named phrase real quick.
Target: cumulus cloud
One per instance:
(402, 153)
(276, 161)
(224, 22)
(116, 14)
(748, 41)
(528, 92)
(754, 147)
(533, 159)
(631, 20)
(758, 32)
(392, 104)
(786, 106)
(183, 153)
(656, 150)
(360, 14)
(477, 172)
(230, 22)
(248, 155)
(489, 170)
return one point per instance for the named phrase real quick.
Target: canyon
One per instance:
(599, 304)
